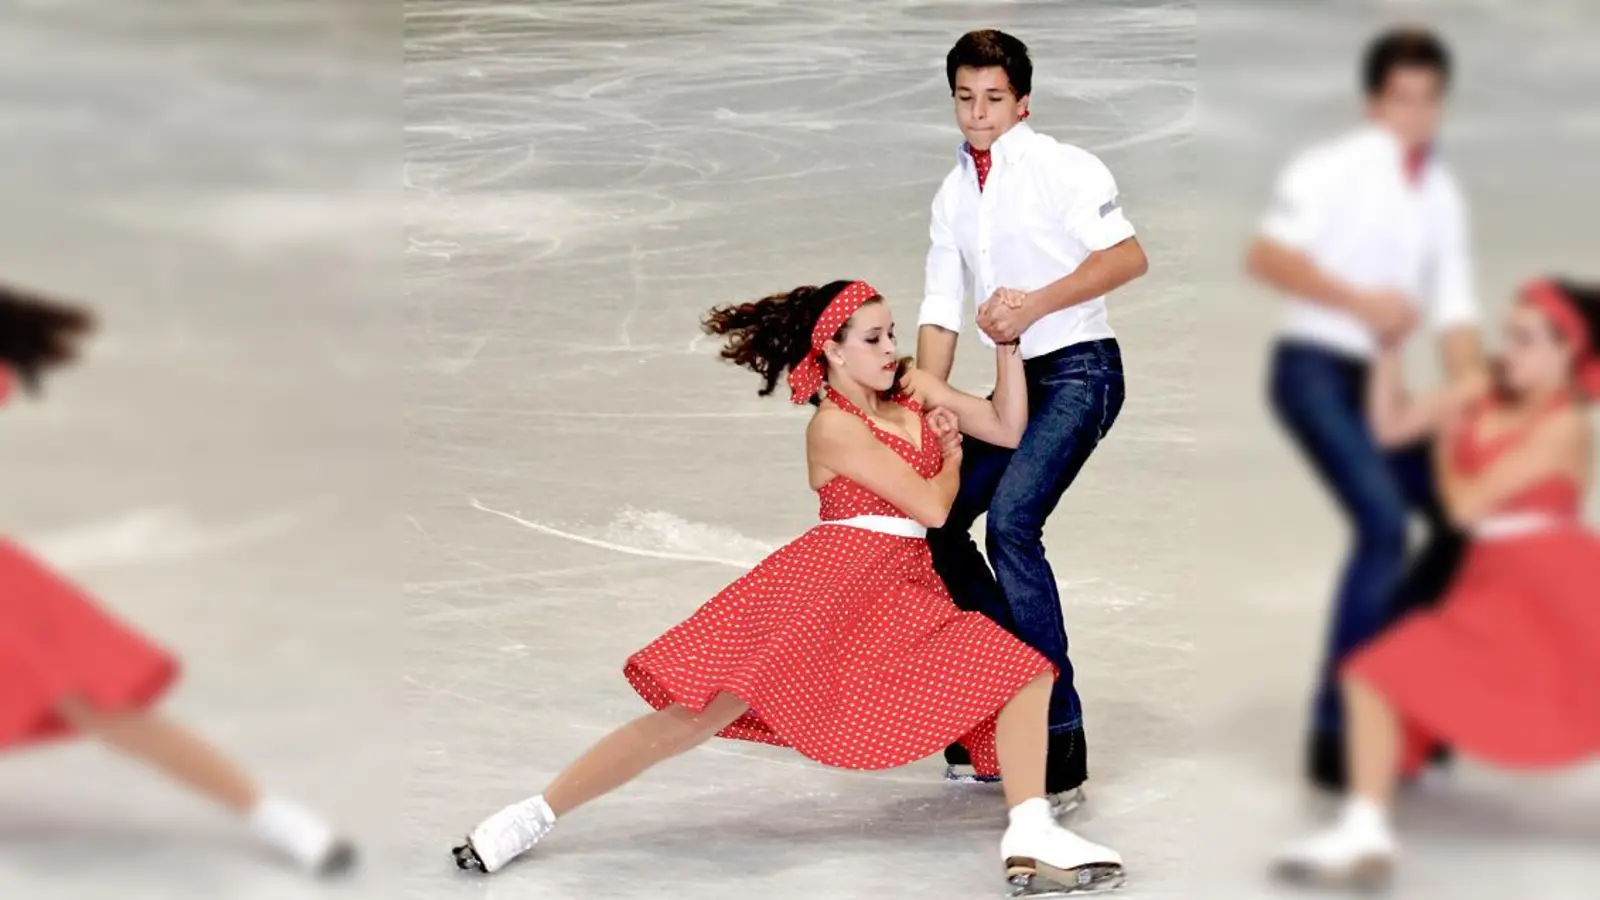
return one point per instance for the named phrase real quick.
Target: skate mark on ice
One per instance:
(677, 556)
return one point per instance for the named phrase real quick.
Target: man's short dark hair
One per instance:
(1403, 48)
(986, 48)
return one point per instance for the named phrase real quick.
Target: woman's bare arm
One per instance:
(1559, 445)
(844, 445)
(1000, 420)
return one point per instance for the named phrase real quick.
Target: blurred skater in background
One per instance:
(69, 667)
(1507, 667)
(1366, 235)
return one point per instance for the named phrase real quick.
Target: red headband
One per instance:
(805, 379)
(5, 383)
(1559, 309)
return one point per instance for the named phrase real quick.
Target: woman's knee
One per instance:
(81, 714)
(1042, 683)
(721, 712)
(693, 727)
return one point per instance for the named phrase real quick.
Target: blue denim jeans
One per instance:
(1319, 397)
(1074, 396)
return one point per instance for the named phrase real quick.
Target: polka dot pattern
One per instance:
(805, 379)
(845, 644)
(983, 160)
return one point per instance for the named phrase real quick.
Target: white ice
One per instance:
(585, 180)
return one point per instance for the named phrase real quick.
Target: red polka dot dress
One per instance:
(845, 643)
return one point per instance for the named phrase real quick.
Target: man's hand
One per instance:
(1004, 316)
(1390, 314)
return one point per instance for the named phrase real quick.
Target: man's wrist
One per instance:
(1348, 298)
(1035, 304)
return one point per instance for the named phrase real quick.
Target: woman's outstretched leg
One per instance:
(615, 760)
(184, 757)
(1359, 849)
(1036, 849)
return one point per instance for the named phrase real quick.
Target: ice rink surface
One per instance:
(575, 471)
(583, 181)
(221, 470)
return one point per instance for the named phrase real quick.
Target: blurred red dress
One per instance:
(1507, 667)
(57, 643)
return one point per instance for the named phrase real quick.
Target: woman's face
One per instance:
(1536, 357)
(867, 352)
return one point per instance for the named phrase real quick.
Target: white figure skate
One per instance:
(505, 836)
(1043, 859)
(1341, 858)
(303, 837)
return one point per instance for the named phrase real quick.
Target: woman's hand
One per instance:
(948, 430)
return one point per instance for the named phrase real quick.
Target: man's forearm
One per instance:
(1102, 272)
(936, 351)
(1294, 273)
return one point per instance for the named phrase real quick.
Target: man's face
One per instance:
(986, 107)
(1410, 104)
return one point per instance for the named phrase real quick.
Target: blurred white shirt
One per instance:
(1349, 205)
(1045, 206)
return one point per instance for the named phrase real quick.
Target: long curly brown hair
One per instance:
(38, 334)
(772, 335)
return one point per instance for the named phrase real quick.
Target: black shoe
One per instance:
(958, 768)
(340, 861)
(1325, 765)
(1442, 757)
(1067, 766)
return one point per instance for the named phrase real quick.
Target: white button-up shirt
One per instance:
(1045, 206)
(1349, 206)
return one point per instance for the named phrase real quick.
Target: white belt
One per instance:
(894, 525)
(1512, 525)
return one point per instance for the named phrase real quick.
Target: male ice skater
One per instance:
(1034, 229)
(1366, 233)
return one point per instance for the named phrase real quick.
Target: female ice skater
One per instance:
(68, 667)
(1507, 667)
(844, 644)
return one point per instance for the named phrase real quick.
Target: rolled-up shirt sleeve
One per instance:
(1296, 208)
(1093, 211)
(1453, 301)
(945, 277)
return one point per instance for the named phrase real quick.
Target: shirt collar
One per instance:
(1393, 148)
(1009, 148)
